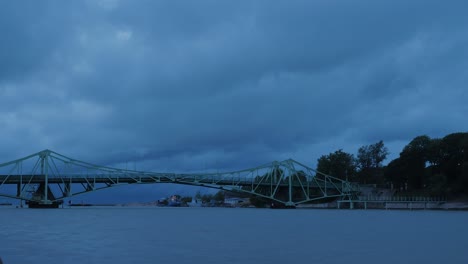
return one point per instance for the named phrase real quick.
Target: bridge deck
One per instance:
(37, 179)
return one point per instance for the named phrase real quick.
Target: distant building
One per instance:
(236, 201)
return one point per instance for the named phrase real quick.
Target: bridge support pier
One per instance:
(18, 190)
(351, 204)
(44, 204)
(18, 193)
(44, 198)
(67, 189)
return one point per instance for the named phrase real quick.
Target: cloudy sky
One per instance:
(220, 85)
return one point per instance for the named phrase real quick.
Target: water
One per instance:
(218, 235)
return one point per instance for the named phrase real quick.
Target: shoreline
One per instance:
(390, 205)
(454, 205)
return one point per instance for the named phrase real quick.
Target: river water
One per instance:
(221, 235)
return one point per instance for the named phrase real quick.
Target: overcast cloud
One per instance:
(221, 85)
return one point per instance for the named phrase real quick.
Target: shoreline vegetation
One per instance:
(442, 206)
(232, 200)
(426, 167)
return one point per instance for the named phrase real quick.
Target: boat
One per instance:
(37, 204)
(174, 201)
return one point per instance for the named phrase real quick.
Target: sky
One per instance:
(194, 86)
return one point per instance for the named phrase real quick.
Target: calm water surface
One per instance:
(219, 235)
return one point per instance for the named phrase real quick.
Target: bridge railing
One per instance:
(371, 198)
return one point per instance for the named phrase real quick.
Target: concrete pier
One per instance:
(409, 203)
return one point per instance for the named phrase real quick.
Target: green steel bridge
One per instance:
(46, 178)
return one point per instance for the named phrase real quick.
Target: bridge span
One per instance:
(287, 182)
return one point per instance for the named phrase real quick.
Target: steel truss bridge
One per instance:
(46, 178)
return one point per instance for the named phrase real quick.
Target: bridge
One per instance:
(46, 178)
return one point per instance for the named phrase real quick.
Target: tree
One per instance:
(206, 198)
(372, 156)
(454, 161)
(414, 157)
(186, 199)
(338, 164)
(369, 162)
(434, 155)
(435, 166)
(394, 173)
(420, 145)
(198, 195)
(219, 196)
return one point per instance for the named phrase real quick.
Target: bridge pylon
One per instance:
(43, 196)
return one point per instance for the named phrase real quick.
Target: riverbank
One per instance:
(450, 205)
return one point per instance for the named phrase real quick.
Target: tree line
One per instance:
(434, 166)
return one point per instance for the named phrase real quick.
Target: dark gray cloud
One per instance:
(193, 86)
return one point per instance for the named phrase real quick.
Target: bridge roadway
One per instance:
(189, 179)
